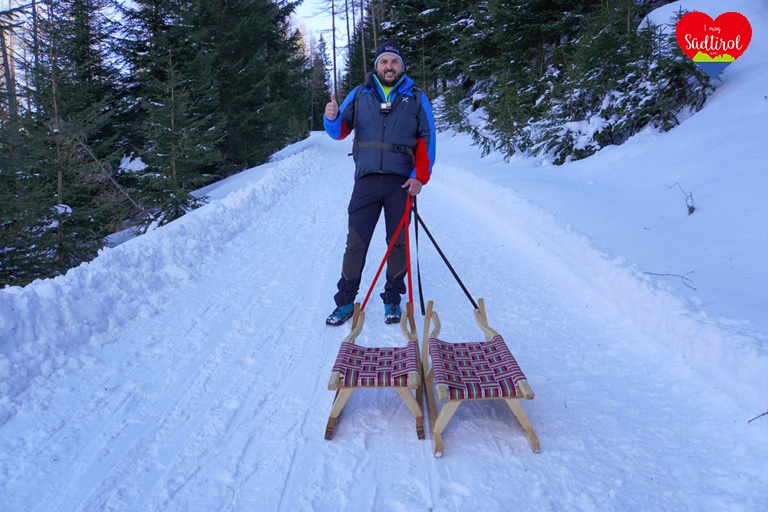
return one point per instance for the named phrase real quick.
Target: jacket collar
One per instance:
(405, 85)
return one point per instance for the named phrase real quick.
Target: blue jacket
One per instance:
(401, 141)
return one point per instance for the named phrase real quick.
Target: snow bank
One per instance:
(42, 323)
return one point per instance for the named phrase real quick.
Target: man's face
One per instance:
(389, 69)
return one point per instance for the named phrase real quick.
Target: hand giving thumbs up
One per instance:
(332, 108)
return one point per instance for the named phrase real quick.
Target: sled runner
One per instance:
(462, 372)
(358, 367)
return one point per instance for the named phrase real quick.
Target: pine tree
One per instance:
(173, 105)
(60, 150)
(419, 28)
(27, 242)
(261, 72)
(561, 78)
(618, 80)
(181, 144)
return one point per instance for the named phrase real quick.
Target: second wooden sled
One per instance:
(463, 372)
(358, 367)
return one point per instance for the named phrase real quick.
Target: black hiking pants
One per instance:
(371, 194)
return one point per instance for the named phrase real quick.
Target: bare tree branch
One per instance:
(688, 198)
(683, 277)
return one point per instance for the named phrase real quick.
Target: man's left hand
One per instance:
(413, 185)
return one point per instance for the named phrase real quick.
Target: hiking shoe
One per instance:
(392, 313)
(341, 314)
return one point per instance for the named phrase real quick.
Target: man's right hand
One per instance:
(332, 108)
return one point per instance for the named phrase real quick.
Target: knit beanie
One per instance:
(390, 48)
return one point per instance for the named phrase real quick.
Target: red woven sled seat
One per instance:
(376, 367)
(476, 370)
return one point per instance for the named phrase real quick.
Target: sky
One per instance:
(311, 14)
(187, 369)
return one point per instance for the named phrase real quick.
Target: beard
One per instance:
(389, 82)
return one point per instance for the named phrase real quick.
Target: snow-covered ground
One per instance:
(186, 370)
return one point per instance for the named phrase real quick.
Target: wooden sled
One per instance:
(462, 372)
(359, 367)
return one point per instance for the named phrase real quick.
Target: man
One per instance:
(394, 150)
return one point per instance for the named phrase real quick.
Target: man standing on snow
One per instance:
(394, 150)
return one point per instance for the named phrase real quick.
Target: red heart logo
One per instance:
(699, 36)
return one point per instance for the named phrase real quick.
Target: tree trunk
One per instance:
(8, 74)
(333, 35)
(362, 38)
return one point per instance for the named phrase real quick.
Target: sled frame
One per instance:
(439, 419)
(407, 392)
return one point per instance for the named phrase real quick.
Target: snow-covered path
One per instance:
(208, 391)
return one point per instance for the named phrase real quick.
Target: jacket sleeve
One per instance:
(424, 154)
(340, 127)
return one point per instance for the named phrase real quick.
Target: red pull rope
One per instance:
(403, 222)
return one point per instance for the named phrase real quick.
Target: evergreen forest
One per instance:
(113, 112)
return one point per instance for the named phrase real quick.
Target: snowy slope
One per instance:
(186, 370)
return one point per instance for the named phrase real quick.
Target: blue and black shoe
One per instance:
(392, 313)
(341, 314)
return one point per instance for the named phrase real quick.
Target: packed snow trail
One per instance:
(214, 396)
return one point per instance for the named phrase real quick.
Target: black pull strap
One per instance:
(418, 266)
(445, 259)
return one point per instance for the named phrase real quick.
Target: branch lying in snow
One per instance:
(684, 278)
(102, 167)
(688, 198)
(758, 416)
